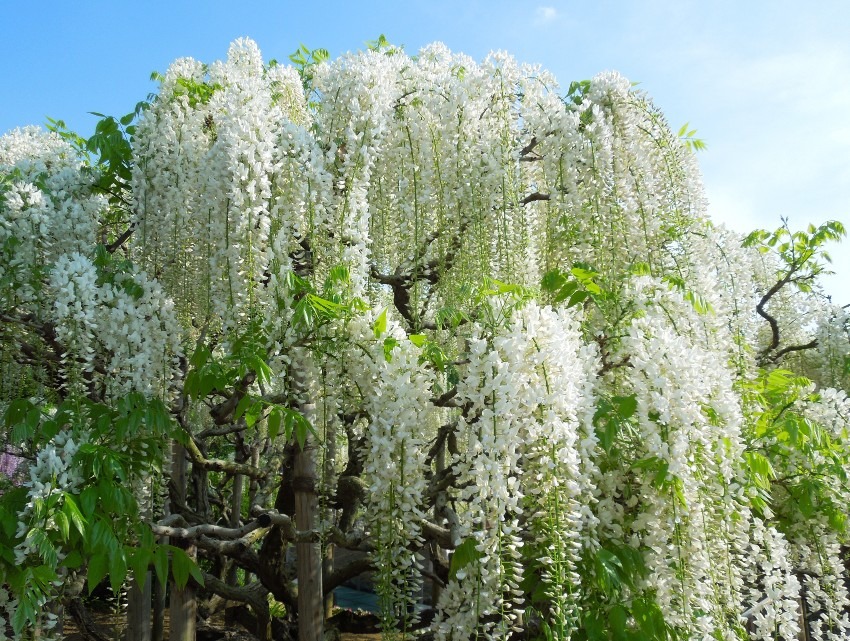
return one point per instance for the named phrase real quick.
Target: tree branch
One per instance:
(123, 238)
(219, 465)
(345, 573)
(533, 197)
(793, 348)
(176, 526)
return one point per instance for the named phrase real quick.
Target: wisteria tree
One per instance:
(446, 314)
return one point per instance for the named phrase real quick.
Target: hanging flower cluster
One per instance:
(684, 485)
(816, 545)
(127, 318)
(628, 453)
(214, 188)
(526, 454)
(51, 476)
(396, 392)
(46, 208)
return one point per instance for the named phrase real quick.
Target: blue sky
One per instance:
(765, 82)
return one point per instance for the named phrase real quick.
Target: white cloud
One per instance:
(545, 15)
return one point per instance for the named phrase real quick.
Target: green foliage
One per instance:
(79, 144)
(314, 308)
(496, 301)
(577, 91)
(112, 155)
(98, 524)
(573, 287)
(198, 93)
(688, 137)
(382, 45)
(802, 254)
(620, 611)
(697, 300)
(796, 466)
(305, 60)
(612, 418)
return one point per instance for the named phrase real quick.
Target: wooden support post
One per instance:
(183, 605)
(139, 610)
(158, 597)
(311, 610)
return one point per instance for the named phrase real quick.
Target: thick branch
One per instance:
(528, 148)
(254, 594)
(123, 238)
(446, 399)
(439, 442)
(774, 326)
(219, 465)
(47, 333)
(440, 535)
(345, 573)
(794, 348)
(174, 526)
(533, 197)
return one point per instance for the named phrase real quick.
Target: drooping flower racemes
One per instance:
(505, 299)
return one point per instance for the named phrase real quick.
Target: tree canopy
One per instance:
(453, 304)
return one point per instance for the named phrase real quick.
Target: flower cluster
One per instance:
(46, 208)
(214, 185)
(396, 390)
(620, 451)
(125, 326)
(685, 480)
(526, 452)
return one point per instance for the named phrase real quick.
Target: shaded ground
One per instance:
(112, 625)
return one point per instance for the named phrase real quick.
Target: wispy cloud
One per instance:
(545, 15)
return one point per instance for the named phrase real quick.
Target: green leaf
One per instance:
(88, 500)
(139, 560)
(98, 568)
(73, 560)
(160, 564)
(242, 406)
(253, 413)
(625, 405)
(552, 281)
(24, 616)
(17, 411)
(303, 316)
(274, 422)
(617, 619)
(380, 324)
(595, 626)
(608, 571)
(465, 554)
(390, 344)
(117, 569)
(418, 339)
(180, 562)
(63, 525)
(302, 429)
(761, 469)
(577, 298)
(641, 269)
(566, 291)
